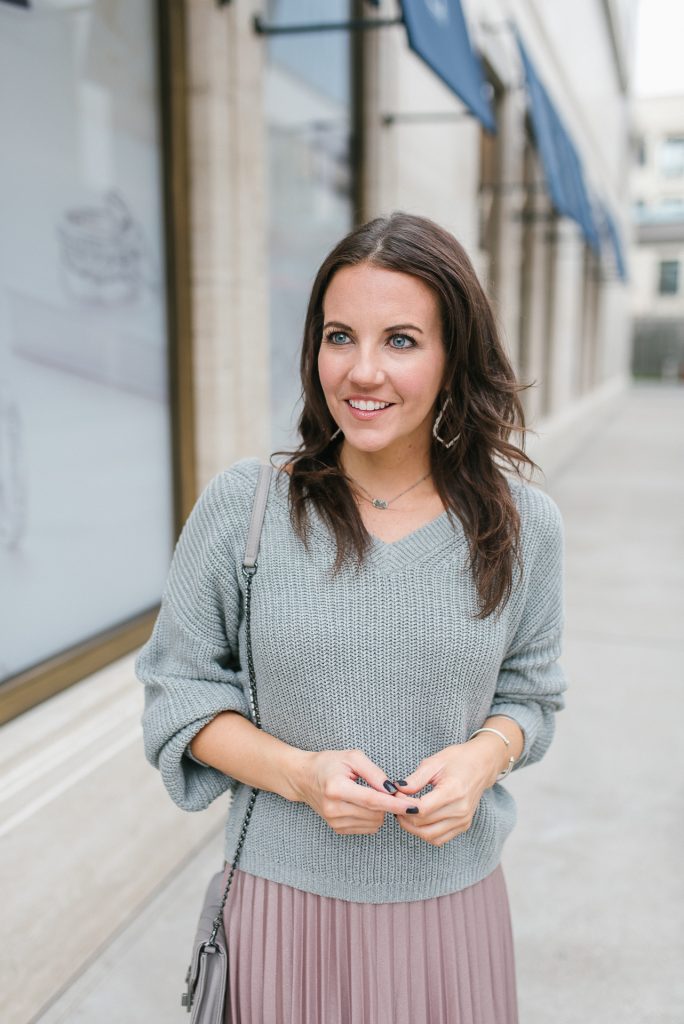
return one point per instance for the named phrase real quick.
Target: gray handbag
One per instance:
(207, 977)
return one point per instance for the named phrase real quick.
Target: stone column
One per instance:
(565, 322)
(507, 262)
(229, 233)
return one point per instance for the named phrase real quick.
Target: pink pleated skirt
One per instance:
(298, 958)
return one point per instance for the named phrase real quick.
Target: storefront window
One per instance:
(85, 466)
(308, 119)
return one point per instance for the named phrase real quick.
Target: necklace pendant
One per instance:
(379, 503)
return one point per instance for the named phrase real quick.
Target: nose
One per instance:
(366, 369)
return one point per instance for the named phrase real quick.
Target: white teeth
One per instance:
(369, 405)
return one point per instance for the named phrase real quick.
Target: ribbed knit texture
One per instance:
(390, 660)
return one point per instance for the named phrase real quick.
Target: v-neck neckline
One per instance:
(388, 556)
(419, 529)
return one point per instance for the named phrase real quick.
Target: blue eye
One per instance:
(331, 335)
(406, 338)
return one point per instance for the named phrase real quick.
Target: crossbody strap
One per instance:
(258, 511)
(249, 568)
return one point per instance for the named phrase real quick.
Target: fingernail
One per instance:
(389, 786)
(402, 782)
(411, 810)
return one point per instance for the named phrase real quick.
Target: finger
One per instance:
(368, 770)
(439, 804)
(432, 833)
(435, 802)
(353, 830)
(348, 818)
(417, 780)
(372, 799)
(364, 767)
(424, 831)
(360, 814)
(459, 816)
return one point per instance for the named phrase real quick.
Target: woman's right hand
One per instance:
(328, 785)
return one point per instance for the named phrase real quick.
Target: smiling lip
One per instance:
(367, 414)
(365, 398)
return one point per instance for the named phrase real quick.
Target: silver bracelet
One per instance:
(511, 760)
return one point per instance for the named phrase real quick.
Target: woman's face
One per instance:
(382, 339)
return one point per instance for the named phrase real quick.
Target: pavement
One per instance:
(592, 868)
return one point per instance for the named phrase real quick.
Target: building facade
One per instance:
(657, 253)
(164, 228)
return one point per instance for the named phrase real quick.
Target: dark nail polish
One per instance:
(389, 786)
(402, 782)
(411, 810)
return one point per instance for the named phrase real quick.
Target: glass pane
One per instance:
(669, 277)
(308, 112)
(672, 157)
(85, 487)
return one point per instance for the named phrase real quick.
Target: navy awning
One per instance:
(560, 160)
(437, 32)
(610, 236)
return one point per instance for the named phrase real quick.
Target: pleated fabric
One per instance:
(298, 958)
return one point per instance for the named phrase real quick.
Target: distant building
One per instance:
(658, 240)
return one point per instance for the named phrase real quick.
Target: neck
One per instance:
(385, 471)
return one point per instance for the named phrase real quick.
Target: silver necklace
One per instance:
(380, 502)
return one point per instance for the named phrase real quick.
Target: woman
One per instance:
(408, 597)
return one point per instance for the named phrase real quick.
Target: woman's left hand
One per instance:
(459, 775)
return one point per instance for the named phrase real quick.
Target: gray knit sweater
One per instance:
(391, 661)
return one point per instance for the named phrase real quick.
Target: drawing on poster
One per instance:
(105, 257)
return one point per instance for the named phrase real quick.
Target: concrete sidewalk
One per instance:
(595, 885)
(593, 868)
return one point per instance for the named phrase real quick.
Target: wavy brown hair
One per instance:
(484, 407)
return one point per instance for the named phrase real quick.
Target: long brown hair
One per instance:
(484, 406)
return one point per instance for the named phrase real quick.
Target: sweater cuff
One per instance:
(188, 753)
(524, 753)
(528, 717)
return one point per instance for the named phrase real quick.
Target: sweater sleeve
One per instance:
(531, 682)
(189, 666)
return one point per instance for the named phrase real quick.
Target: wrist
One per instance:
(296, 768)
(491, 753)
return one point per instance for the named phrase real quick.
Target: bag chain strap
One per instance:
(248, 572)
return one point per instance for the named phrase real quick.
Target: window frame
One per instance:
(675, 143)
(52, 675)
(663, 267)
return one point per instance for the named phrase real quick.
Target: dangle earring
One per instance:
(446, 444)
(338, 431)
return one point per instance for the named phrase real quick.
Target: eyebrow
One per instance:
(396, 327)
